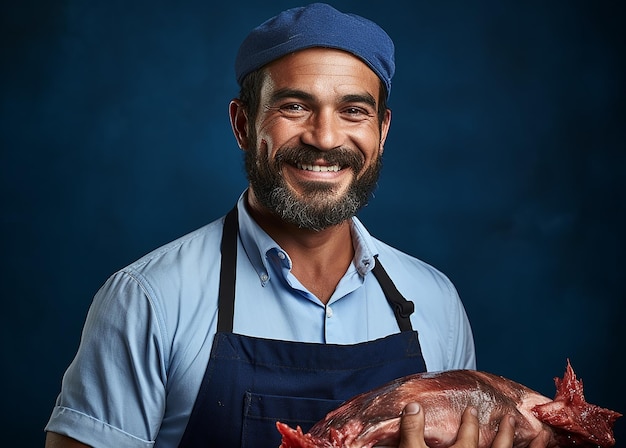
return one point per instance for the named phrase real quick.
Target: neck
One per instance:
(320, 258)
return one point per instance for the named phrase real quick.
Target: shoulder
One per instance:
(172, 283)
(410, 272)
(197, 246)
(440, 319)
(187, 259)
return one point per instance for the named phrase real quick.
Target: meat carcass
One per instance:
(373, 418)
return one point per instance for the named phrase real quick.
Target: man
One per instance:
(287, 306)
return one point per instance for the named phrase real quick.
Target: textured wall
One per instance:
(504, 169)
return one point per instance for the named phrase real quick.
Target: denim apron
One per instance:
(250, 383)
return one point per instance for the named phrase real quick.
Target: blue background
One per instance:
(504, 169)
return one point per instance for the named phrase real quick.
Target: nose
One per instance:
(323, 131)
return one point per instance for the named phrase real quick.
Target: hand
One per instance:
(412, 431)
(542, 440)
(506, 432)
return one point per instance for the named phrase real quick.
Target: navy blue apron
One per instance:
(250, 383)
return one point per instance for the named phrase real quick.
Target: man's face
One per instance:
(315, 154)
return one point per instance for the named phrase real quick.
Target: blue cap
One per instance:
(317, 25)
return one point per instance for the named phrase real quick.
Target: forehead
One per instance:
(322, 71)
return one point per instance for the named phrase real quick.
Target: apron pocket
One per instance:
(261, 412)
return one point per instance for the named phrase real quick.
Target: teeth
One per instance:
(323, 169)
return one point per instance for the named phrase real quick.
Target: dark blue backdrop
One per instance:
(504, 169)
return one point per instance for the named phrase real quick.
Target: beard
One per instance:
(315, 208)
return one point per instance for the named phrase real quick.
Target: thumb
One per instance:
(412, 427)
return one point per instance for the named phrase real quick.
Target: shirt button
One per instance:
(264, 277)
(329, 312)
(281, 255)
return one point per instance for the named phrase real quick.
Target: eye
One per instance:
(356, 113)
(292, 109)
(295, 107)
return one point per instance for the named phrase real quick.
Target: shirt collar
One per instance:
(364, 248)
(258, 245)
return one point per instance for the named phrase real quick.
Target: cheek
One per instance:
(370, 145)
(268, 138)
(265, 154)
(272, 139)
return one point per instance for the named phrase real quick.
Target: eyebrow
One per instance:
(281, 94)
(291, 93)
(358, 98)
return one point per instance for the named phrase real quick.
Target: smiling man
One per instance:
(313, 156)
(286, 306)
(319, 111)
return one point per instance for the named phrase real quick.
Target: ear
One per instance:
(384, 130)
(239, 123)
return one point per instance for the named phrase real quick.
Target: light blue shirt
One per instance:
(148, 334)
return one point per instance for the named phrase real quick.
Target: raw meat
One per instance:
(373, 418)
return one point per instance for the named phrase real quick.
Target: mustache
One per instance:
(308, 155)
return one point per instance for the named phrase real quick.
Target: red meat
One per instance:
(373, 418)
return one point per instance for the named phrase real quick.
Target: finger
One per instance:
(468, 431)
(412, 427)
(506, 433)
(541, 441)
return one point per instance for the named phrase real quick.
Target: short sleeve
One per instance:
(113, 393)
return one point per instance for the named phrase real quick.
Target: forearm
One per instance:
(55, 440)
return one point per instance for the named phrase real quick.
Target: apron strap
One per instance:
(228, 273)
(402, 308)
